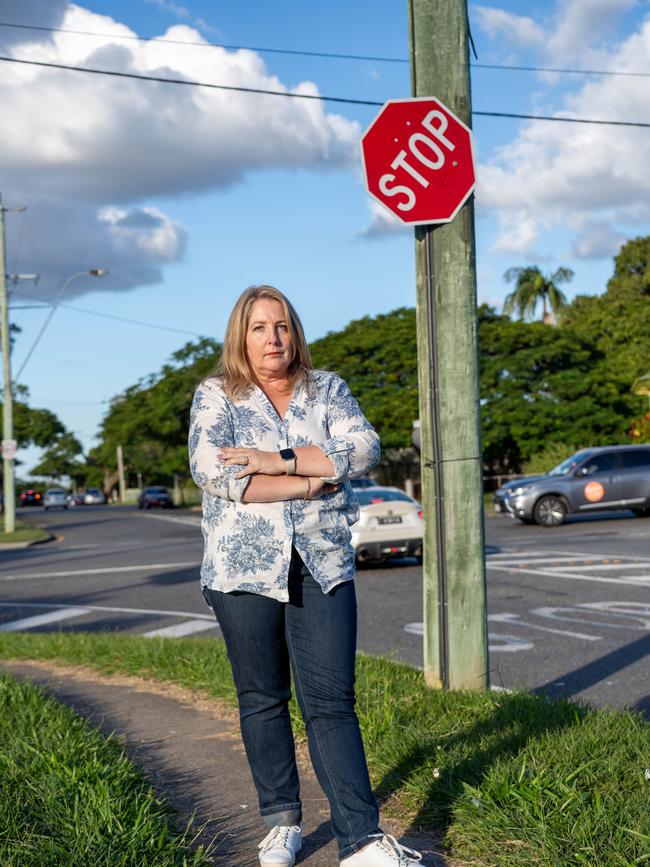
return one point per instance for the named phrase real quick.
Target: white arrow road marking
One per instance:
(513, 619)
(42, 619)
(178, 630)
(510, 643)
(103, 571)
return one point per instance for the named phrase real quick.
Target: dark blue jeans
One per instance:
(313, 635)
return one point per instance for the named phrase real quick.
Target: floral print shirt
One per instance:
(248, 545)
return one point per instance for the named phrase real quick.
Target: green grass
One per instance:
(69, 797)
(23, 533)
(512, 779)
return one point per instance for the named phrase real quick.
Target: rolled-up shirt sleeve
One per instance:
(211, 428)
(352, 443)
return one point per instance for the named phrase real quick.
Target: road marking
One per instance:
(633, 580)
(193, 522)
(178, 630)
(603, 567)
(538, 558)
(103, 571)
(510, 643)
(42, 619)
(192, 614)
(551, 613)
(513, 619)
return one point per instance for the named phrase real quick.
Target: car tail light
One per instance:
(377, 500)
(37, 496)
(421, 515)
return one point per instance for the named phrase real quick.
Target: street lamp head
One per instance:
(98, 272)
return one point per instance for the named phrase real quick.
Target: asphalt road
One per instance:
(569, 608)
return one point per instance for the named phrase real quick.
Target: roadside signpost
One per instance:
(418, 163)
(417, 157)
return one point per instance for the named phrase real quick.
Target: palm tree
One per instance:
(531, 286)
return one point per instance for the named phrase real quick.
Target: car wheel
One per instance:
(550, 511)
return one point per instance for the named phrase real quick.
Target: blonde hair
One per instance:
(234, 367)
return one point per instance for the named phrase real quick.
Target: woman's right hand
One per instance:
(319, 488)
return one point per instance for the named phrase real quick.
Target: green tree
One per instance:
(542, 385)
(377, 357)
(150, 420)
(531, 287)
(64, 457)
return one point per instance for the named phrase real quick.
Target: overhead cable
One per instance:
(331, 55)
(318, 97)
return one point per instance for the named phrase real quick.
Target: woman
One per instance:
(273, 444)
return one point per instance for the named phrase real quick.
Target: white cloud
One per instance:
(382, 223)
(597, 240)
(561, 173)
(100, 146)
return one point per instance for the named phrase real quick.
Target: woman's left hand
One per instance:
(253, 461)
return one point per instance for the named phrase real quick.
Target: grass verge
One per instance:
(23, 533)
(513, 779)
(68, 796)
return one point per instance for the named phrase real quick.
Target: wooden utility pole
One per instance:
(455, 622)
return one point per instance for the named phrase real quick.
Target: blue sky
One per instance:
(188, 196)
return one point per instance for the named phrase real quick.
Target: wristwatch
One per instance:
(289, 458)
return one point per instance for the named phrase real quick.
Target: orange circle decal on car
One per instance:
(594, 492)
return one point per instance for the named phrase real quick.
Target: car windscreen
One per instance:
(367, 496)
(569, 464)
(155, 490)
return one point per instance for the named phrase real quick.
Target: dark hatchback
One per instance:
(155, 497)
(30, 497)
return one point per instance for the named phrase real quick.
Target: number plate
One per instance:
(394, 520)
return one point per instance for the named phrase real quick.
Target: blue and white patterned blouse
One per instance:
(248, 545)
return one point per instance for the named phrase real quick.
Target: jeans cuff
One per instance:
(283, 814)
(364, 841)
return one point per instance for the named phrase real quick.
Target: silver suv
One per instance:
(591, 480)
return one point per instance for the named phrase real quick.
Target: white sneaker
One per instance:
(385, 852)
(280, 845)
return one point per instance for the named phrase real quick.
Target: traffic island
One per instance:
(24, 536)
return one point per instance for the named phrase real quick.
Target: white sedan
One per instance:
(389, 525)
(55, 498)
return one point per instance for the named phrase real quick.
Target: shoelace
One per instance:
(277, 836)
(405, 856)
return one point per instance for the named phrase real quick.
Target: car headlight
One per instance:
(520, 490)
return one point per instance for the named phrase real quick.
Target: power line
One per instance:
(317, 97)
(331, 55)
(105, 315)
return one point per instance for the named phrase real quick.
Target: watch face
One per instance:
(287, 454)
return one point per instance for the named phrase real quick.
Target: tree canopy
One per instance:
(531, 287)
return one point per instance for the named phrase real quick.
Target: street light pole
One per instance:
(7, 406)
(94, 272)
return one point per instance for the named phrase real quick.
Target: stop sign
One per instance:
(417, 158)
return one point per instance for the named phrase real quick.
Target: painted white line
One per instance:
(108, 570)
(536, 559)
(603, 567)
(513, 620)
(509, 643)
(192, 522)
(192, 614)
(42, 619)
(638, 580)
(178, 630)
(585, 609)
(577, 555)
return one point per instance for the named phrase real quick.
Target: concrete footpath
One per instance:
(191, 751)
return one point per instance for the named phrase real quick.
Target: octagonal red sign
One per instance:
(417, 159)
